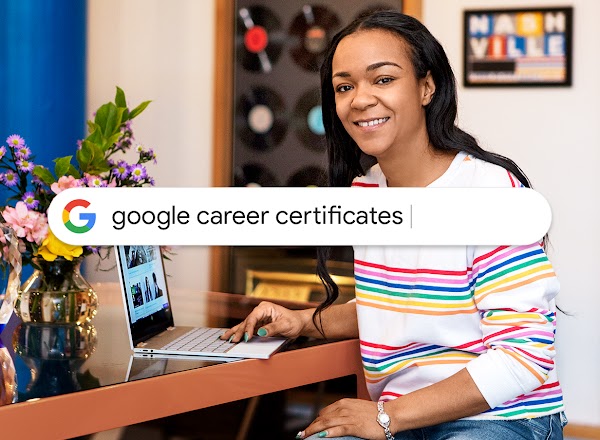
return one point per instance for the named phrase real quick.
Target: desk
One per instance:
(113, 402)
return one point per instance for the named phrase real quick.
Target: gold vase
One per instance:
(56, 293)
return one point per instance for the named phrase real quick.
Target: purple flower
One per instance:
(151, 181)
(138, 172)
(15, 141)
(126, 129)
(30, 201)
(23, 152)
(121, 171)
(10, 178)
(147, 154)
(36, 180)
(92, 249)
(124, 144)
(110, 162)
(79, 144)
(2, 151)
(25, 165)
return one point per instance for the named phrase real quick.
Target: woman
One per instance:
(457, 342)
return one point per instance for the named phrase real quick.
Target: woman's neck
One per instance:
(415, 167)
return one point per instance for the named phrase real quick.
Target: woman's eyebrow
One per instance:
(370, 68)
(342, 74)
(375, 66)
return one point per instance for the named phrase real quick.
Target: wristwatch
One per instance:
(384, 421)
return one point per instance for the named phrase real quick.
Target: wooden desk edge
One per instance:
(108, 407)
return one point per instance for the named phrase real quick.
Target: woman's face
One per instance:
(378, 98)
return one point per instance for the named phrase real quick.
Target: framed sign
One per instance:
(518, 47)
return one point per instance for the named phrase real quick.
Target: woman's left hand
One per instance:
(348, 417)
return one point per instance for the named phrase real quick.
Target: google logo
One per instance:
(89, 217)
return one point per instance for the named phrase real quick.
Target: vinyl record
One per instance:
(260, 118)
(312, 30)
(254, 175)
(308, 176)
(259, 39)
(308, 120)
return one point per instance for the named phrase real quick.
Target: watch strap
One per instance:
(384, 421)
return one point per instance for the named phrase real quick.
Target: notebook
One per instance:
(150, 318)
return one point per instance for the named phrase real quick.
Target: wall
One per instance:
(553, 135)
(163, 51)
(156, 51)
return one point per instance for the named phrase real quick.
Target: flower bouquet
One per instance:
(56, 292)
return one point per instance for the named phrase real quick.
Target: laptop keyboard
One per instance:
(200, 340)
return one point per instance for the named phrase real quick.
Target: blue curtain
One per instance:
(42, 76)
(42, 85)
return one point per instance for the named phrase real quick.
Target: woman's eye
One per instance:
(342, 89)
(385, 80)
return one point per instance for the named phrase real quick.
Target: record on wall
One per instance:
(259, 39)
(253, 174)
(312, 30)
(308, 120)
(308, 176)
(260, 119)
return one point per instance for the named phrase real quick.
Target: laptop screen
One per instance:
(143, 280)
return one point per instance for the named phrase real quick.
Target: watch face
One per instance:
(383, 419)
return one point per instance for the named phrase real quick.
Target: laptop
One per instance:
(150, 318)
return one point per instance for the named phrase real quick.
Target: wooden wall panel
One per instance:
(223, 117)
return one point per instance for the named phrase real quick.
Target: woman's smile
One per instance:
(371, 124)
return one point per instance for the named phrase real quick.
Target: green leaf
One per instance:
(118, 120)
(44, 174)
(111, 141)
(113, 119)
(62, 165)
(97, 155)
(139, 109)
(85, 155)
(120, 98)
(96, 137)
(101, 168)
(102, 115)
(74, 172)
(113, 122)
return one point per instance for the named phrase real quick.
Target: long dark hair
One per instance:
(346, 160)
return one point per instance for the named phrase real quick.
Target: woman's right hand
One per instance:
(268, 319)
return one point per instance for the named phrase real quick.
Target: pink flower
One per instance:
(31, 225)
(65, 182)
(94, 181)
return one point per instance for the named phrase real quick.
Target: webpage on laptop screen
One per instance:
(144, 280)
